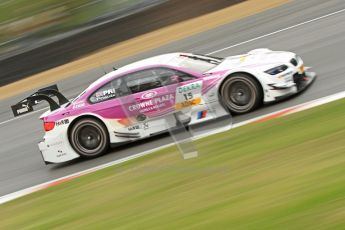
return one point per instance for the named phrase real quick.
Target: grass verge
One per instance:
(287, 173)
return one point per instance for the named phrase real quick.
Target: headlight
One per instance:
(276, 70)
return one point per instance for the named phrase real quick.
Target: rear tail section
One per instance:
(45, 94)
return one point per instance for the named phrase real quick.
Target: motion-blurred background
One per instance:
(38, 35)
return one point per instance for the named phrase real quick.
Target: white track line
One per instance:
(229, 47)
(278, 31)
(25, 115)
(279, 113)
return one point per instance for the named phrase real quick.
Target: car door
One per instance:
(148, 101)
(111, 102)
(160, 96)
(137, 104)
(151, 100)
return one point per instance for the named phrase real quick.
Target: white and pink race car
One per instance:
(151, 96)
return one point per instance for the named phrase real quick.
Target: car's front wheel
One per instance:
(89, 138)
(241, 93)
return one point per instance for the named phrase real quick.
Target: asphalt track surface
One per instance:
(319, 42)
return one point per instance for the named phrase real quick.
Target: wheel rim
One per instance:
(240, 93)
(89, 139)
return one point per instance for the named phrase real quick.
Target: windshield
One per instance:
(198, 63)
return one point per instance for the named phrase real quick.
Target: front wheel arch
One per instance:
(249, 75)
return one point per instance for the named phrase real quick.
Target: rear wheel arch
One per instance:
(84, 117)
(88, 117)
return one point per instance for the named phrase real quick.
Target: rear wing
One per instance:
(45, 94)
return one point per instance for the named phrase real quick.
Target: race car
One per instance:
(153, 95)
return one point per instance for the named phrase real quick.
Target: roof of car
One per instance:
(164, 59)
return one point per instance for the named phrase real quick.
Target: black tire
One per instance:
(89, 138)
(241, 93)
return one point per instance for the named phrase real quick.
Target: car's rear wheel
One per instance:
(89, 138)
(241, 93)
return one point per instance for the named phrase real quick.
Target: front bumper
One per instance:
(300, 82)
(304, 80)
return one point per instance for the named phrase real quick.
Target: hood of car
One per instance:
(261, 59)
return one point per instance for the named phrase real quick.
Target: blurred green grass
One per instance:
(47, 17)
(11, 10)
(287, 173)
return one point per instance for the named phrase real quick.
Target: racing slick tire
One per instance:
(89, 138)
(241, 93)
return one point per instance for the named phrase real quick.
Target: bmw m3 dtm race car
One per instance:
(153, 95)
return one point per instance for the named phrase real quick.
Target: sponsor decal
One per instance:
(188, 95)
(201, 114)
(135, 127)
(144, 126)
(78, 105)
(23, 110)
(62, 122)
(61, 154)
(54, 143)
(152, 104)
(190, 87)
(149, 95)
(105, 92)
(104, 95)
(188, 103)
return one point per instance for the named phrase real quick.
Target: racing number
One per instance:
(188, 96)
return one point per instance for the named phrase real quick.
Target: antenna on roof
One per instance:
(105, 72)
(115, 68)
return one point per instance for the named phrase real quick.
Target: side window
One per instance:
(142, 81)
(170, 76)
(114, 89)
(185, 76)
(154, 78)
